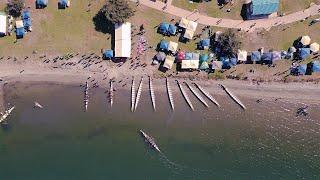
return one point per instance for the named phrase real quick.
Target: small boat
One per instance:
(86, 97)
(6, 114)
(197, 95)
(235, 99)
(138, 94)
(207, 94)
(170, 94)
(150, 140)
(38, 105)
(133, 95)
(111, 93)
(153, 98)
(185, 95)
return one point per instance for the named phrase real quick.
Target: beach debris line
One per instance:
(153, 98)
(37, 105)
(233, 97)
(111, 92)
(197, 95)
(150, 140)
(5, 114)
(185, 95)
(138, 94)
(86, 96)
(170, 94)
(207, 94)
(133, 95)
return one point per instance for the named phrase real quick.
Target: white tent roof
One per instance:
(188, 34)
(123, 40)
(305, 40)
(242, 55)
(19, 24)
(184, 23)
(173, 46)
(192, 25)
(190, 64)
(168, 63)
(314, 47)
(3, 24)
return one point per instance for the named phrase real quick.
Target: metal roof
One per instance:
(260, 7)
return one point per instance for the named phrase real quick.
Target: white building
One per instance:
(3, 24)
(122, 44)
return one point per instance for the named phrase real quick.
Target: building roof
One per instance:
(262, 7)
(168, 63)
(163, 27)
(3, 24)
(173, 46)
(172, 29)
(25, 14)
(108, 53)
(316, 67)
(42, 2)
(190, 64)
(163, 45)
(123, 40)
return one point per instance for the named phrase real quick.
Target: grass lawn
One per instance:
(290, 6)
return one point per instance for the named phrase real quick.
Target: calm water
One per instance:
(62, 142)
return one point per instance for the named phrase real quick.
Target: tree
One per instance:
(14, 7)
(117, 11)
(229, 43)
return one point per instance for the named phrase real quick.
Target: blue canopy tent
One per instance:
(20, 32)
(108, 54)
(62, 4)
(276, 55)
(256, 56)
(227, 63)
(26, 14)
(267, 58)
(163, 45)
(188, 56)
(172, 29)
(27, 23)
(233, 61)
(302, 69)
(204, 43)
(163, 28)
(316, 67)
(304, 53)
(41, 3)
(203, 58)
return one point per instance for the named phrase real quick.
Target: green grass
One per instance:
(290, 6)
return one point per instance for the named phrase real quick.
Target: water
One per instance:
(62, 142)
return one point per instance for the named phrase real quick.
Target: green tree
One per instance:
(229, 43)
(14, 7)
(117, 11)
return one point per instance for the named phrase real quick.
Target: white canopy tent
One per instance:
(122, 46)
(3, 24)
(168, 63)
(242, 55)
(190, 64)
(173, 46)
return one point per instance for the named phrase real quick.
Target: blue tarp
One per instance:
(233, 61)
(204, 57)
(316, 67)
(264, 7)
(304, 52)
(188, 56)
(163, 45)
(267, 58)
(172, 29)
(205, 42)
(108, 54)
(27, 23)
(302, 69)
(276, 55)
(42, 2)
(256, 56)
(20, 32)
(164, 27)
(26, 14)
(227, 63)
(63, 2)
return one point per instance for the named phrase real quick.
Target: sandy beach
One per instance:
(76, 70)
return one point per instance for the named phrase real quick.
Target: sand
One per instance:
(34, 69)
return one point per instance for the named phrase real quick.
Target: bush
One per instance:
(14, 7)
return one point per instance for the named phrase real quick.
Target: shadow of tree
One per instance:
(102, 24)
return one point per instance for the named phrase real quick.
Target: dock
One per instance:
(170, 94)
(197, 95)
(235, 99)
(138, 94)
(208, 95)
(185, 95)
(133, 95)
(153, 98)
